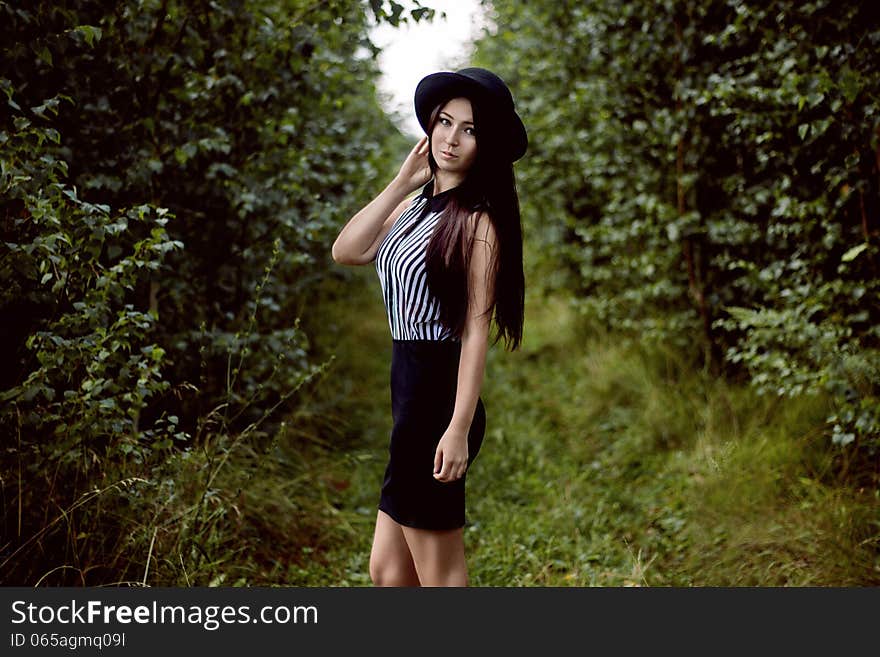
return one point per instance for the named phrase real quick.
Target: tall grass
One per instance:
(604, 464)
(618, 465)
(284, 508)
(614, 464)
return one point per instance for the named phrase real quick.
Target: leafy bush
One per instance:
(707, 173)
(88, 365)
(173, 174)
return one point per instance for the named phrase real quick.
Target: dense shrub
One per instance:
(707, 173)
(172, 176)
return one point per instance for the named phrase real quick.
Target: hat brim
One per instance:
(439, 87)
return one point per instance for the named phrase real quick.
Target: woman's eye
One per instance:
(444, 121)
(470, 131)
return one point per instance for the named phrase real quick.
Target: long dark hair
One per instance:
(490, 187)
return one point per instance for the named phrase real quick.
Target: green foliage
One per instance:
(617, 465)
(253, 123)
(606, 465)
(91, 367)
(87, 361)
(707, 173)
(173, 174)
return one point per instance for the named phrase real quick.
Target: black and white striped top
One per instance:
(413, 312)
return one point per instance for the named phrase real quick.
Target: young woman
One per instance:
(448, 260)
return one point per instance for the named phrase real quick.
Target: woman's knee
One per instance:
(387, 572)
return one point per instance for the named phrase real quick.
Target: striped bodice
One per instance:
(413, 312)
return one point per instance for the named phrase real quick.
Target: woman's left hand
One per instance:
(451, 457)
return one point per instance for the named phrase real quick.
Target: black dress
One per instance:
(424, 378)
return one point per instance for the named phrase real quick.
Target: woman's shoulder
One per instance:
(482, 227)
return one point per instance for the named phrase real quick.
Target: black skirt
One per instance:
(424, 380)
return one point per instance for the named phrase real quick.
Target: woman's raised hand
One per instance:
(415, 170)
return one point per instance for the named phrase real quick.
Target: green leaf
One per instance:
(852, 253)
(44, 54)
(849, 83)
(90, 33)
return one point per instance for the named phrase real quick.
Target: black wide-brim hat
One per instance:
(486, 89)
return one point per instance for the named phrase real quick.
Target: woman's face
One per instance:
(453, 140)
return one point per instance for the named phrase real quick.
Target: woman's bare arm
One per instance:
(359, 240)
(451, 455)
(475, 338)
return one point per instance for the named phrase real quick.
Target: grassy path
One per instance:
(602, 465)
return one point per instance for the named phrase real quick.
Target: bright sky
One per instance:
(414, 50)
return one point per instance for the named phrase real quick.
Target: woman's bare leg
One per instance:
(438, 556)
(391, 563)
